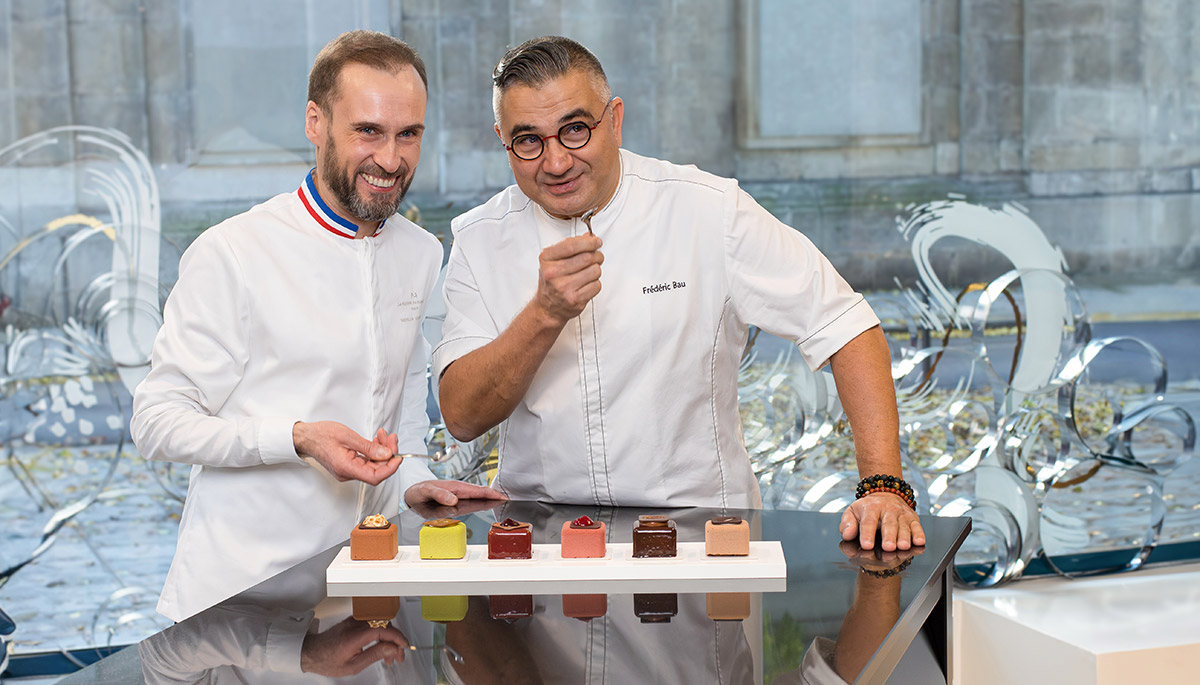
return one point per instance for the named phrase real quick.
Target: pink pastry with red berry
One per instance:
(583, 538)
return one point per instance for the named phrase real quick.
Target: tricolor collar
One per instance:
(321, 212)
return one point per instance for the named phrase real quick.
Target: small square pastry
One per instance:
(509, 539)
(443, 539)
(726, 536)
(376, 611)
(510, 607)
(585, 607)
(653, 536)
(727, 606)
(583, 538)
(375, 539)
(656, 608)
(444, 609)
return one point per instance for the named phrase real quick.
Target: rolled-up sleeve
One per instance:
(198, 359)
(780, 282)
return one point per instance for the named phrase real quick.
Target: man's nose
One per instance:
(388, 156)
(557, 159)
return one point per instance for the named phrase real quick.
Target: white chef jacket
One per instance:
(279, 317)
(636, 403)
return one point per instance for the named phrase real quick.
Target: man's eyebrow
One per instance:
(418, 127)
(574, 115)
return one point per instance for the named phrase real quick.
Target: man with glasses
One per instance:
(628, 396)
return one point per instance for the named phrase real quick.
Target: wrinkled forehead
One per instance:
(550, 103)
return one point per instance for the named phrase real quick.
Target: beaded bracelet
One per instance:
(882, 482)
(887, 572)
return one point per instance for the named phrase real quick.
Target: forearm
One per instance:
(482, 388)
(862, 371)
(173, 430)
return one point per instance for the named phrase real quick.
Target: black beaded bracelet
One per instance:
(882, 482)
(887, 572)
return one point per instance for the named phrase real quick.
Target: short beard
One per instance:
(347, 195)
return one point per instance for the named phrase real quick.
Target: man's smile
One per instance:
(563, 187)
(378, 181)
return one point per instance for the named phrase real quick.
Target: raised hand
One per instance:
(568, 276)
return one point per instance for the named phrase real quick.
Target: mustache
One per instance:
(373, 169)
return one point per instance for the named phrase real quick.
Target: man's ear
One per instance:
(315, 124)
(618, 117)
(497, 127)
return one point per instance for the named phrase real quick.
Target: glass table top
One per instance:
(841, 607)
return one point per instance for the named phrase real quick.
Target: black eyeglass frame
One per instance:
(542, 139)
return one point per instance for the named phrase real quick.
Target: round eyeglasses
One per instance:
(529, 146)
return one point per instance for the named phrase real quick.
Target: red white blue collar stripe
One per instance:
(321, 212)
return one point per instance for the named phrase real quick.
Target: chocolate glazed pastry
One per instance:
(654, 536)
(509, 539)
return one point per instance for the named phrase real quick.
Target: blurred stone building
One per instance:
(835, 115)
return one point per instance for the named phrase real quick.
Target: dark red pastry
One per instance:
(509, 539)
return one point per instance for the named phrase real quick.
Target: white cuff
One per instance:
(275, 444)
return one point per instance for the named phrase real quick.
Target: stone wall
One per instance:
(1087, 112)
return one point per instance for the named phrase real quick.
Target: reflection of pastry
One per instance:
(585, 607)
(443, 539)
(444, 609)
(510, 607)
(375, 538)
(583, 538)
(656, 608)
(727, 606)
(376, 611)
(653, 536)
(726, 536)
(509, 539)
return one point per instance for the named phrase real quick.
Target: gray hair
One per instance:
(541, 60)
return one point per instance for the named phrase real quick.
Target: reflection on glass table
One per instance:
(847, 616)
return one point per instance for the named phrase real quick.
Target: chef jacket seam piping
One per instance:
(497, 219)
(832, 321)
(366, 259)
(676, 180)
(717, 651)
(600, 392)
(461, 337)
(713, 401)
(604, 662)
(587, 417)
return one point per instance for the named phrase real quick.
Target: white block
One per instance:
(1111, 630)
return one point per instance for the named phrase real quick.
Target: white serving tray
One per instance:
(764, 570)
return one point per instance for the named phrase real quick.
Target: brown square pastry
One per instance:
(375, 539)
